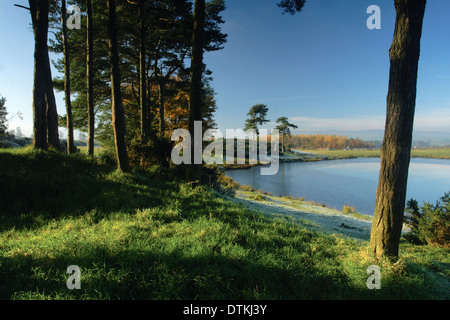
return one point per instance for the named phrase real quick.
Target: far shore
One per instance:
(308, 155)
(434, 153)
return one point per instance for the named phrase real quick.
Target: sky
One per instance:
(322, 68)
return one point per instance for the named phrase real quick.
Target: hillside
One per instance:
(141, 236)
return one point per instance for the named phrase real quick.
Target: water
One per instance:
(347, 182)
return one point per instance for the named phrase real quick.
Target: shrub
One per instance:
(429, 224)
(147, 152)
(258, 197)
(245, 187)
(348, 209)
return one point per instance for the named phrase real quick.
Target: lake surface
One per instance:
(351, 182)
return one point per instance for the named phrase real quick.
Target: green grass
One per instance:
(97, 150)
(443, 153)
(437, 153)
(143, 235)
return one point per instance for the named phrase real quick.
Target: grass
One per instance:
(143, 235)
(97, 150)
(437, 153)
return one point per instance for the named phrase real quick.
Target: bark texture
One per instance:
(69, 120)
(118, 116)
(90, 78)
(39, 16)
(145, 125)
(396, 148)
(195, 108)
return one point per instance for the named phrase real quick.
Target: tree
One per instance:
(195, 107)
(45, 116)
(118, 116)
(3, 114)
(257, 116)
(70, 139)
(39, 16)
(145, 124)
(396, 147)
(284, 127)
(292, 6)
(90, 78)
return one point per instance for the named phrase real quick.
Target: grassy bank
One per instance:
(143, 235)
(438, 153)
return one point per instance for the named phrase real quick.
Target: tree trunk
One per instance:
(89, 79)
(396, 148)
(118, 116)
(39, 16)
(70, 140)
(162, 124)
(52, 113)
(142, 73)
(195, 108)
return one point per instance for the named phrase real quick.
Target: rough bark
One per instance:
(52, 113)
(162, 123)
(142, 73)
(89, 79)
(69, 119)
(396, 147)
(39, 16)
(118, 116)
(195, 108)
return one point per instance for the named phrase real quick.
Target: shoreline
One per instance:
(309, 214)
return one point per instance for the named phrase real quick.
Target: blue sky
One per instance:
(321, 68)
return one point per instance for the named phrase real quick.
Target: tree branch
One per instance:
(19, 6)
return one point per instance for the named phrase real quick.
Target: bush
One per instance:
(429, 224)
(245, 187)
(348, 209)
(108, 158)
(147, 152)
(226, 184)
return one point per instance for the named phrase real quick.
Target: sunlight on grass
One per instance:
(135, 236)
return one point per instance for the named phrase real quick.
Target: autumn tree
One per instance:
(284, 127)
(396, 147)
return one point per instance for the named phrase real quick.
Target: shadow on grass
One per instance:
(146, 275)
(37, 186)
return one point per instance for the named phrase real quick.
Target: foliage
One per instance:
(317, 141)
(348, 209)
(257, 116)
(291, 6)
(168, 43)
(284, 127)
(145, 153)
(429, 224)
